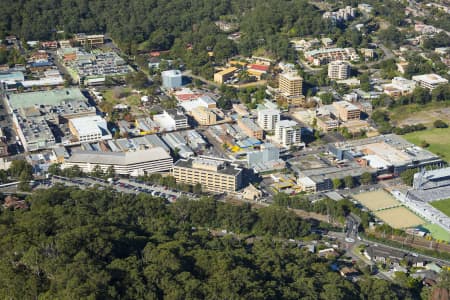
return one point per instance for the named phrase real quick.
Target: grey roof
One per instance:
(227, 169)
(119, 158)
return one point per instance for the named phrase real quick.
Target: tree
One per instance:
(197, 188)
(337, 183)
(365, 82)
(110, 172)
(21, 168)
(349, 182)
(366, 178)
(440, 124)
(408, 176)
(54, 169)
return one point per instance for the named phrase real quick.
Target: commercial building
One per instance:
(170, 120)
(341, 15)
(89, 129)
(267, 158)
(250, 128)
(387, 154)
(91, 40)
(224, 75)
(132, 163)
(267, 118)
(347, 111)
(290, 84)
(178, 144)
(34, 112)
(172, 79)
(399, 86)
(429, 81)
(339, 70)
(288, 133)
(326, 123)
(213, 174)
(204, 116)
(204, 101)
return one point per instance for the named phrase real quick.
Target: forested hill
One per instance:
(97, 244)
(156, 24)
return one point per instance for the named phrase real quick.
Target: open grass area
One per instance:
(399, 217)
(377, 200)
(438, 138)
(437, 232)
(414, 113)
(442, 205)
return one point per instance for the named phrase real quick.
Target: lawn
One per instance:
(415, 113)
(399, 217)
(442, 205)
(438, 138)
(437, 232)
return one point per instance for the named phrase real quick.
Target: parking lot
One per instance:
(125, 186)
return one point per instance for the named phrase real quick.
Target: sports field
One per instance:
(399, 217)
(442, 205)
(438, 138)
(437, 232)
(377, 200)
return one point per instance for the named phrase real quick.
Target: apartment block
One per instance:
(91, 40)
(288, 133)
(347, 111)
(290, 84)
(339, 70)
(224, 75)
(204, 116)
(268, 118)
(213, 174)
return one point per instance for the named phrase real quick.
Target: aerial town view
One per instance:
(225, 149)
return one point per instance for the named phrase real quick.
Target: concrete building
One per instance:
(399, 86)
(132, 163)
(347, 111)
(267, 158)
(339, 70)
(172, 79)
(89, 129)
(326, 123)
(91, 40)
(288, 133)
(204, 116)
(171, 120)
(215, 175)
(429, 81)
(250, 128)
(224, 75)
(290, 84)
(267, 118)
(178, 144)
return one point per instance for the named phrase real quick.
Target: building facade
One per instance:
(290, 84)
(347, 111)
(214, 175)
(339, 70)
(288, 133)
(172, 79)
(204, 116)
(267, 118)
(250, 128)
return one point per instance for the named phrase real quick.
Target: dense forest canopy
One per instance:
(99, 244)
(153, 24)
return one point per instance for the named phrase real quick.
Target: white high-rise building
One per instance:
(268, 118)
(288, 133)
(338, 70)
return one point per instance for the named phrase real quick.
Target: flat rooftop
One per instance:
(224, 167)
(47, 98)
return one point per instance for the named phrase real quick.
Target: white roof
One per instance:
(286, 123)
(119, 158)
(430, 78)
(89, 124)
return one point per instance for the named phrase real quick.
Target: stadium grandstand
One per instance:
(431, 185)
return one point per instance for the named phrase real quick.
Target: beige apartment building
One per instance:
(347, 111)
(290, 84)
(204, 116)
(214, 175)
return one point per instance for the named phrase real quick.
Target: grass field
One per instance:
(438, 138)
(415, 113)
(442, 205)
(376, 200)
(437, 232)
(399, 217)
